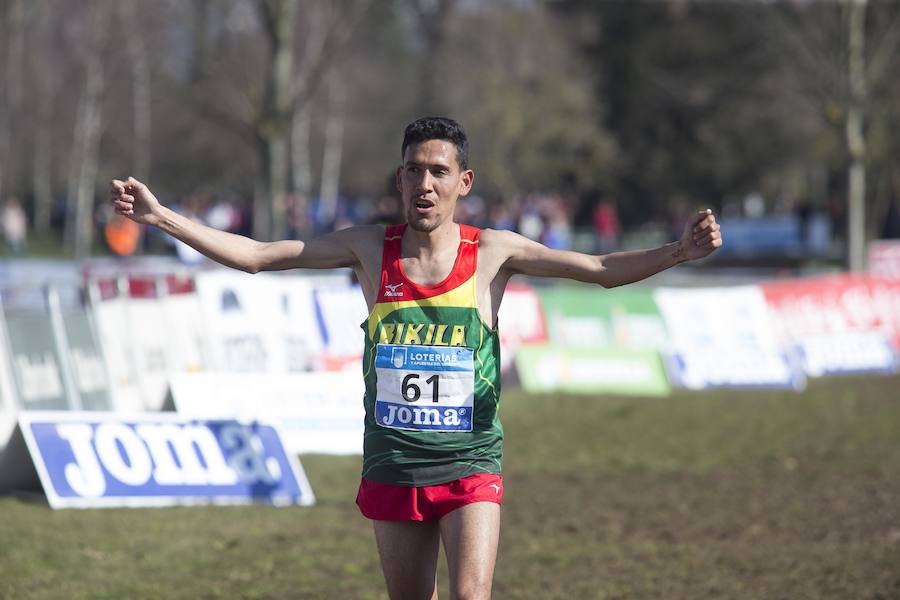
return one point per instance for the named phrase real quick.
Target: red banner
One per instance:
(884, 258)
(521, 321)
(851, 322)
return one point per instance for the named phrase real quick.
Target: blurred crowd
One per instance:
(545, 217)
(557, 220)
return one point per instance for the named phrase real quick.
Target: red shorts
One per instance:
(386, 502)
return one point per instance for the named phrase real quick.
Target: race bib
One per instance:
(425, 388)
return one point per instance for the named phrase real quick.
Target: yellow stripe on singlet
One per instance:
(462, 296)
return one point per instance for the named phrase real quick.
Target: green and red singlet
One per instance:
(432, 373)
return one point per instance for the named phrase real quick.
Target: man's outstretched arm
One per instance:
(700, 238)
(134, 200)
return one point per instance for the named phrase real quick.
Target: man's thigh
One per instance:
(409, 552)
(471, 535)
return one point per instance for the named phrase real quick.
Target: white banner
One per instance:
(260, 323)
(119, 355)
(301, 338)
(242, 315)
(151, 337)
(186, 332)
(723, 337)
(7, 399)
(317, 412)
(340, 310)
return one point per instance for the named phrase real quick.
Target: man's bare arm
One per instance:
(700, 238)
(134, 200)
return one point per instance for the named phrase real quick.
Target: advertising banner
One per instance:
(8, 408)
(185, 325)
(340, 309)
(86, 360)
(37, 365)
(317, 412)
(884, 259)
(301, 336)
(120, 356)
(262, 323)
(591, 370)
(241, 312)
(94, 460)
(520, 320)
(724, 337)
(838, 324)
(591, 317)
(149, 335)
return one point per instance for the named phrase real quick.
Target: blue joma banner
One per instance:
(90, 459)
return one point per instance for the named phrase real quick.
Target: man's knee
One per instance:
(412, 592)
(472, 591)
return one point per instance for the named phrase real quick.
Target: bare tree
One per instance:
(835, 73)
(273, 125)
(85, 155)
(533, 119)
(432, 18)
(301, 169)
(46, 87)
(856, 140)
(11, 102)
(334, 142)
(142, 116)
(287, 88)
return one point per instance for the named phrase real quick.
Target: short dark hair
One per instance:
(438, 128)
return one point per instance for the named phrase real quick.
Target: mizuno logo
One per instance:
(496, 487)
(392, 289)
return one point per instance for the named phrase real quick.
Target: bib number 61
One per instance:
(412, 392)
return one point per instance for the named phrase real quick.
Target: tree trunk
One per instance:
(261, 194)
(141, 91)
(42, 174)
(302, 169)
(856, 142)
(274, 125)
(432, 17)
(202, 47)
(87, 136)
(12, 96)
(334, 145)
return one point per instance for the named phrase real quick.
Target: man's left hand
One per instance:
(701, 236)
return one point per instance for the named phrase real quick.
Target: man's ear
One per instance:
(467, 178)
(397, 179)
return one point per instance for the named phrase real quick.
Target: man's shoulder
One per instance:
(496, 246)
(363, 234)
(498, 238)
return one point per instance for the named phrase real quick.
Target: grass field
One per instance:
(731, 495)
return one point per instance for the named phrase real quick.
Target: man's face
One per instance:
(430, 181)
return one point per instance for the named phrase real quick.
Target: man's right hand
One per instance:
(134, 200)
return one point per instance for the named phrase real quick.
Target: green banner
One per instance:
(35, 359)
(590, 371)
(86, 360)
(592, 317)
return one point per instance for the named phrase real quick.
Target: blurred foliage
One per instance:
(659, 105)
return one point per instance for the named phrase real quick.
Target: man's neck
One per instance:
(425, 244)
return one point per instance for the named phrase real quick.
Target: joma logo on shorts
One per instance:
(405, 415)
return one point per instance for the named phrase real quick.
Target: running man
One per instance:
(433, 442)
